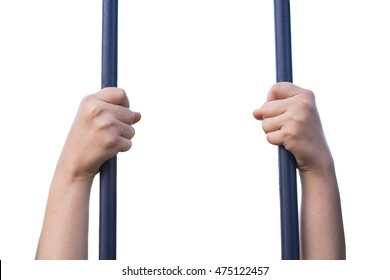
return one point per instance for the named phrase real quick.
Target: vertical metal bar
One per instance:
(287, 162)
(107, 220)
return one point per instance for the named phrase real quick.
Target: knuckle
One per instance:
(309, 94)
(109, 142)
(130, 144)
(126, 146)
(281, 85)
(91, 107)
(274, 138)
(288, 133)
(264, 125)
(276, 86)
(270, 138)
(120, 93)
(128, 133)
(299, 118)
(132, 132)
(87, 99)
(104, 123)
(306, 102)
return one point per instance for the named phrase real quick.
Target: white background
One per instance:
(200, 186)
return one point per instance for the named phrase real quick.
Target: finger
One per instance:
(137, 117)
(272, 108)
(258, 114)
(275, 108)
(275, 137)
(283, 90)
(124, 144)
(122, 114)
(274, 124)
(112, 95)
(125, 130)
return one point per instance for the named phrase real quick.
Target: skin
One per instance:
(290, 118)
(101, 129)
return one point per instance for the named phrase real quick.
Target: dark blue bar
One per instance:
(287, 163)
(107, 220)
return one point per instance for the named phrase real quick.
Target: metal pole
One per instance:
(107, 220)
(287, 162)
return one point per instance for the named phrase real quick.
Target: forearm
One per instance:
(102, 128)
(65, 228)
(322, 232)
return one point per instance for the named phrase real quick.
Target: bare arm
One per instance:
(65, 230)
(290, 118)
(101, 129)
(322, 232)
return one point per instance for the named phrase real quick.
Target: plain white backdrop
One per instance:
(199, 188)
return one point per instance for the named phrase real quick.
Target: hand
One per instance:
(290, 118)
(101, 129)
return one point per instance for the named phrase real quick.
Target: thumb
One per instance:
(258, 114)
(137, 117)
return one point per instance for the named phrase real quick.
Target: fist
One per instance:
(102, 128)
(290, 118)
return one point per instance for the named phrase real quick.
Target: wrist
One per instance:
(317, 161)
(322, 174)
(70, 177)
(71, 168)
(323, 167)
